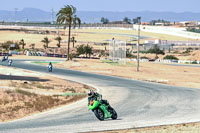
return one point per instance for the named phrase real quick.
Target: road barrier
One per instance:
(5, 54)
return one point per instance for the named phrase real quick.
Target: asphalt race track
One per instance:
(137, 103)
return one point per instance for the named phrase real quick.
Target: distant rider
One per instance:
(10, 62)
(50, 66)
(4, 58)
(96, 96)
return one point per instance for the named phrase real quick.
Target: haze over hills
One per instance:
(37, 15)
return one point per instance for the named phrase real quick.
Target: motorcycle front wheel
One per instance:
(99, 114)
(114, 114)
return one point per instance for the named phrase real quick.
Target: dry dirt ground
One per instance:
(22, 94)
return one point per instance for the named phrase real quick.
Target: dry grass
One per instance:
(23, 98)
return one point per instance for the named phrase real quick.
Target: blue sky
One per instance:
(106, 5)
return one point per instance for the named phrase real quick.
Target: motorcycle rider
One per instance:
(3, 58)
(96, 96)
(10, 62)
(50, 66)
(6, 57)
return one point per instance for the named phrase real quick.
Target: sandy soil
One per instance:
(22, 94)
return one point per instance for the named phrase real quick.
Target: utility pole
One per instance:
(52, 15)
(16, 14)
(138, 43)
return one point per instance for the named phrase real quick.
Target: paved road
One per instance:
(176, 64)
(138, 104)
(184, 65)
(116, 34)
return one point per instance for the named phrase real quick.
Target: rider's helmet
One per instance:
(90, 93)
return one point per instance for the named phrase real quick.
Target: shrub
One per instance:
(82, 49)
(144, 57)
(170, 57)
(194, 62)
(128, 53)
(156, 50)
(72, 55)
(188, 50)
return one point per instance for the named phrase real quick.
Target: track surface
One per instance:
(138, 104)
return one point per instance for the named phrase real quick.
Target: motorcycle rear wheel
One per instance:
(99, 114)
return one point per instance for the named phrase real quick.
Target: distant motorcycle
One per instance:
(9, 62)
(50, 68)
(4, 58)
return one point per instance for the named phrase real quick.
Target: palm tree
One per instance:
(59, 40)
(79, 22)
(32, 46)
(76, 20)
(88, 50)
(73, 40)
(22, 43)
(46, 42)
(66, 16)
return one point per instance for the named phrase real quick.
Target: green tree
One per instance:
(170, 57)
(127, 20)
(104, 20)
(22, 43)
(156, 50)
(59, 41)
(80, 49)
(6, 45)
(135, 21)
(32, 46)
(79, 22)
(88, 50)
(66, 16)
(129, 53)
(73, 41)
(76, 21)
(46, 42)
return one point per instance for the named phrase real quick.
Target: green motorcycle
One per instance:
(102, 111)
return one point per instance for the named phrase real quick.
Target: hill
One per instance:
(38, 15)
